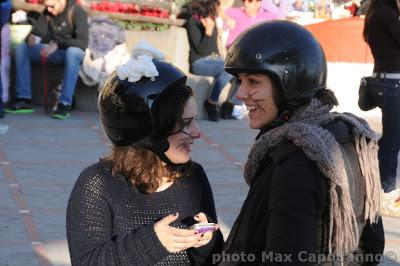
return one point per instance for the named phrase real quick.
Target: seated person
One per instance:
(279, 7)
(251, 12)
(204, 58)
(63, 30)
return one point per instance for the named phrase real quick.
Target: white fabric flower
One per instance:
(141, 63)
(136, 68)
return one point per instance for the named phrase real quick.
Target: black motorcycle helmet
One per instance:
(288, 53)
(125, 107)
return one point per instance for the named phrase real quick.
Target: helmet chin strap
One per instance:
(164, 145)
(157, 145)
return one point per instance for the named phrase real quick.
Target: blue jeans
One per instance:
(212, 66)
(387, 96)
(70, 57)
(1, 85)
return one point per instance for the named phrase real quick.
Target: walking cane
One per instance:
(43, 58)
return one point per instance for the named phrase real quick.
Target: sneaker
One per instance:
(21, 106)
(3, 128)
(390, 203)
(62, 111)
(238, 111)
(226, 110)
(211, 109)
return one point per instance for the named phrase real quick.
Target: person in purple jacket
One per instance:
(251, 12)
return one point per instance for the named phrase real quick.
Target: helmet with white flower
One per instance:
(127, 96)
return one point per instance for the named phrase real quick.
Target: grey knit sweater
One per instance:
(109, 222)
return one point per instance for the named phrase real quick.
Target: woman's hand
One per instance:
(206, 237)
(208, 24)
(231, 23)
(175, 239)
(31, 40)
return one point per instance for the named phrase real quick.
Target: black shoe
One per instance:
(226, 110)
(211, 109)
(62, 111)
(21, 106)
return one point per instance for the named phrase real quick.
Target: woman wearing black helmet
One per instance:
(313, 176)
(134, 207)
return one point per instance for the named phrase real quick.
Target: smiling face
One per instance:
(181, 142)
(251, 7)
(256, 91)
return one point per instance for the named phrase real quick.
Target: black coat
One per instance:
(284, 217)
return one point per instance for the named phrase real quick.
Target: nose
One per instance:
(195, 130)
(242, 92)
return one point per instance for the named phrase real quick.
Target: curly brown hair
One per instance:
(142, 167)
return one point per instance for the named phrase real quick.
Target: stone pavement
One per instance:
(40, 159)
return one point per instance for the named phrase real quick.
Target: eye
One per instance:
(253, 81)
(187, 122)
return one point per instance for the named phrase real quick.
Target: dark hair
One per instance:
(204, 8)
(326, 96)
(141, 166)
(373, 5)
(167, 111)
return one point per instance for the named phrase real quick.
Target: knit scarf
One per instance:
(319, 145)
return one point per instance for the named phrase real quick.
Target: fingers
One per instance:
(204, 239)
(187, 239)
(177, 239)
(182, 232)
(201, 218)
(168, 219)
(30, 40)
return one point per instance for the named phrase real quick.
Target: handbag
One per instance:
(366, 101)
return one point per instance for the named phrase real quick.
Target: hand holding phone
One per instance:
(203, 227)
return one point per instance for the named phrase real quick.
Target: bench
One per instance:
(172, 42)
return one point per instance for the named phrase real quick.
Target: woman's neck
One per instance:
(164, 185)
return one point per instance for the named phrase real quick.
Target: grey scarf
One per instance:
(319, 145)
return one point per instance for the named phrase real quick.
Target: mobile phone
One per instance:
(203, 227)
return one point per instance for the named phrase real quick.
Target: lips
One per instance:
(187, 146)
(251, 108)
